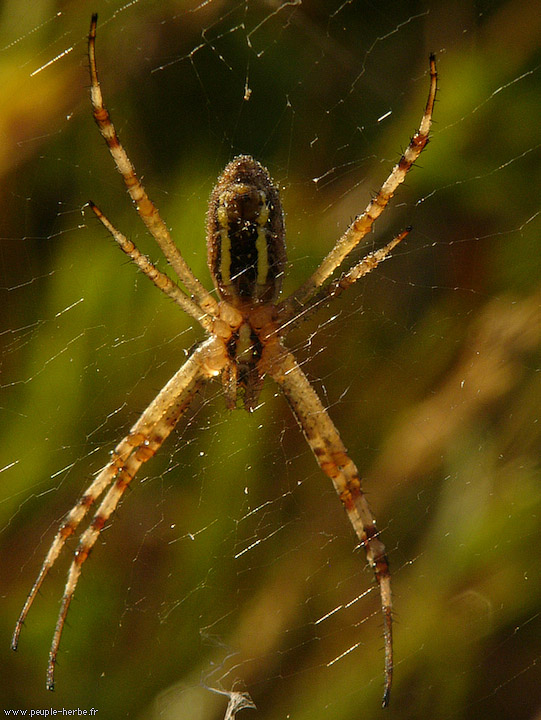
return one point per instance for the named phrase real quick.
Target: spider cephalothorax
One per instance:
(245, 328)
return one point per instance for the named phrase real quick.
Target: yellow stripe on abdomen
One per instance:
(225, 245)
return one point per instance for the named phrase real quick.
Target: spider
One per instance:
(246, 328)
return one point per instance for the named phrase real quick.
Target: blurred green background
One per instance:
(230, 565)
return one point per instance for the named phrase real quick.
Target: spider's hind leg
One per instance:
(145, 438)
(70, 523)
(331, 454)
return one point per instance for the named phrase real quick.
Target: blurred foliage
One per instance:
(232, 547)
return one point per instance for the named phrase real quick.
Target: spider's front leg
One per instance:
(331, 454)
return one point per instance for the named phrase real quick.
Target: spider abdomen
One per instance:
(245, 233)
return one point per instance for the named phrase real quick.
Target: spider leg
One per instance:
(331, 454)
(349, 277)
(145, 438)
(145, 207)
(362, 225)
(161, 280)
(70, 524)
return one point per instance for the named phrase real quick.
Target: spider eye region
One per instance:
(245, 234)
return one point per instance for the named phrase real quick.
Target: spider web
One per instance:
(229, 578)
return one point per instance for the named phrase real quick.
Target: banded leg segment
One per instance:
(347, 279)
(331, 454)
(145, 207)
(69, 525)
(362, 225)
(161, 280)
(145, 438)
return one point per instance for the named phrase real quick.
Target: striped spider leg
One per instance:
(245, 327)
(299, 301)
(318, 428)
(332, 457)
(143, 441)
(148, 212)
